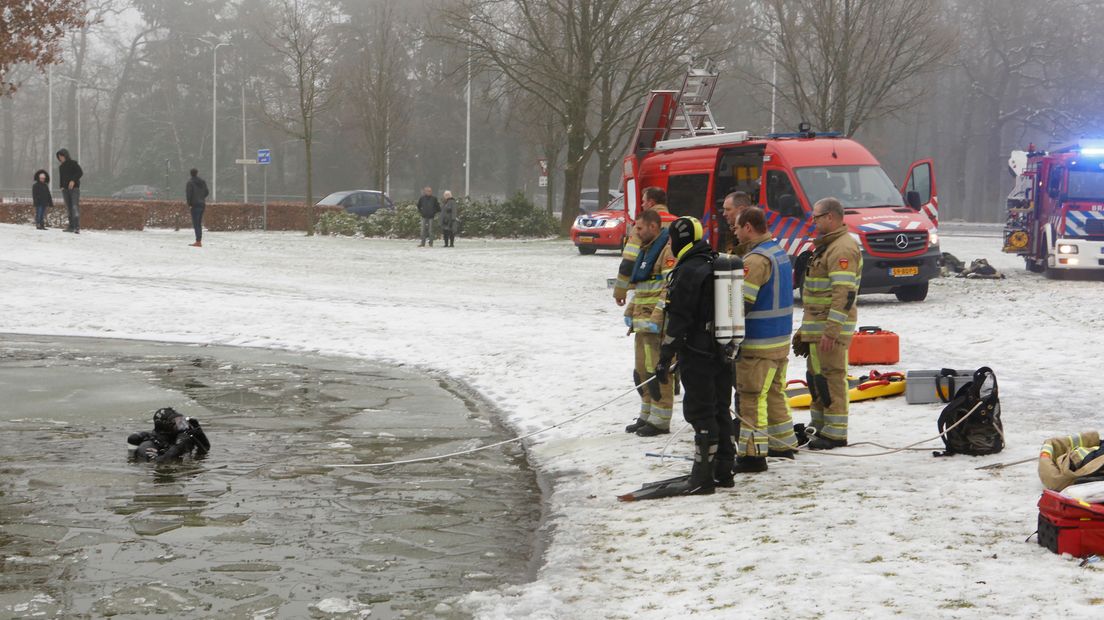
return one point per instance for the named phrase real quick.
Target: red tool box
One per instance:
(1068, 525)
(873, 345)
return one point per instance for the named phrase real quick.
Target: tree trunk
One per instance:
(573, 176)
(7, 151)
(309, 202)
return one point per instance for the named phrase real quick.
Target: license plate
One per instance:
(901, 272)
(586, 240)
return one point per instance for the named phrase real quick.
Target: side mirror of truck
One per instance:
(912, 199)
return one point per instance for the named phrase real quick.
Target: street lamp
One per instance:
(467, 139)
(80, 85)
(214, 114)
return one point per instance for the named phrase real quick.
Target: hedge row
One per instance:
(513, 218)
(102, 214)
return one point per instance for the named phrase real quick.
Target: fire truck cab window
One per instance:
(1086, 184)
(686, 194)
(781, 197)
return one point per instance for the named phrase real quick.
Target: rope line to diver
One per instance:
(438, 457)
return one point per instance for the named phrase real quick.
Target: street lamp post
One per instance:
(79, 86)
(214, 113)
(50, 159)
(214, 121)
(467, 139)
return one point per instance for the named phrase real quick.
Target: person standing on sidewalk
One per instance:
(69, 174)
(196, 195)
(40, 193)
(450, 220)
(428, 208)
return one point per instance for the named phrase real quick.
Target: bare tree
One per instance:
(300, 35)
(559, 50)
(847, 62)
(33, 30)
(378, 73)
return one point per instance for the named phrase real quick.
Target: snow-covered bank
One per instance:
(533, 327)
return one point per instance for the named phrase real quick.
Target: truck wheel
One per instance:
(1051, 273)
(913, 292)
(1032, 265)
(586, 250)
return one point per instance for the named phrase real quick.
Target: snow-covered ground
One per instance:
(533, 327)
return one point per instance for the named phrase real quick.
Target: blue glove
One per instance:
(647, 327)
(628, 321)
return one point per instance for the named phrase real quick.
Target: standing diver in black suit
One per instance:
(705, 366)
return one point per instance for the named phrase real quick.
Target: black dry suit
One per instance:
(705, 371)
(174, 436)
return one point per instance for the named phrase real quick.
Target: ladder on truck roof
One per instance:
(671, 114)
(693, 117)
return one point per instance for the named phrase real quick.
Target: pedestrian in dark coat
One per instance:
(450, 220)
(428, 208)
(196, 196)
(69, 175)
(43, 199)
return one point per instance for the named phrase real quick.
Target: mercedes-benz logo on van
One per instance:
(902, 241)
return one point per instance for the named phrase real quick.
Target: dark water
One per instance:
(261, 527)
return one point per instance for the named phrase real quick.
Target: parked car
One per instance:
(589, 201)
(604, 229)
(362, 202)
(138, 192)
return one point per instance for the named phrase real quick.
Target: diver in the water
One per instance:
(174, 437)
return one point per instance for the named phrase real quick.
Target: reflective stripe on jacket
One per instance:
(831, 288)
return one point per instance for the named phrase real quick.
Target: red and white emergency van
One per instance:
(1056, 210)
(678, 147)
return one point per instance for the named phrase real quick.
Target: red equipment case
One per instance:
(873, 345)
(1068, 525)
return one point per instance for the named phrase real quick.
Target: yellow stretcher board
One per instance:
(875, 385)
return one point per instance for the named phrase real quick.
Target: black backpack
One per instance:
(982, 432)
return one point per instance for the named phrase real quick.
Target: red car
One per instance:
(604, 229)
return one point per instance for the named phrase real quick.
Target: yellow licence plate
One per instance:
(900, 272)
(586, 240)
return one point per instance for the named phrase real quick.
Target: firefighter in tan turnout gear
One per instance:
(766, 427)
(646, 273)
(829, 295)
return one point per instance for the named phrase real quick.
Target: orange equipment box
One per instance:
(873, 345)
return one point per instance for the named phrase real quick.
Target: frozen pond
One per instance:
(261, 527)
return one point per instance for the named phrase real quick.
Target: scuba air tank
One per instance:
(728, 302)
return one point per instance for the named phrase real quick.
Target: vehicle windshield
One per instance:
(334, 198)
(1086, 184)
(857, 187)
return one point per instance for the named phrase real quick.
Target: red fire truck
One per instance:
(678, 146)
(1056, 210)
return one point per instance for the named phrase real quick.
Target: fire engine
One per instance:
(1056, 209)
(679, 147)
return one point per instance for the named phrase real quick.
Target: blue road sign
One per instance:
(264, 156)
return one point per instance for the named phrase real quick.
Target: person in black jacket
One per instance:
(69, 174)
(43, 199)
(174, 437)
(705, 370)
(428, 208)
(196, 196)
